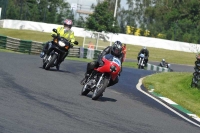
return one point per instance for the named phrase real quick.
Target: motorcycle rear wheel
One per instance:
(99, 91)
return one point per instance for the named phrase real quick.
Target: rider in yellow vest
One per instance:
(64, 31)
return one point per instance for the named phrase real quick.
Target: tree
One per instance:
(102, 19)
(50, 11)
(178, 19)
(80, 22)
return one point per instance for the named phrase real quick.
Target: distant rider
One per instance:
(64, 31)
(144, 51)
(124, 52)
(163, 63)
(116, 50)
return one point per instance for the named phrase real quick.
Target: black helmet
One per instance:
(117, 48)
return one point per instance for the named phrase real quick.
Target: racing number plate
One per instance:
(117, 61)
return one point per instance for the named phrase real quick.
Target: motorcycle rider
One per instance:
(163, 63)
(144, 51)
(124, 52)
(64, 31)
(116, 50)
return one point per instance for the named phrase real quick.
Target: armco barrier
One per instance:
(12, 44)
(25, 46)
(156, 68)
(3, 40)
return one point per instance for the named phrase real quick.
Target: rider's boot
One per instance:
(83, 81)
(42, 54)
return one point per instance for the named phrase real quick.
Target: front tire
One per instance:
(139, 66)
(43, 66)
(51, 62)
(44, 63)
(85, 90)
(99, 91)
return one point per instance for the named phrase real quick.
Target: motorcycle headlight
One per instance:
(60, 43)
(113, 68)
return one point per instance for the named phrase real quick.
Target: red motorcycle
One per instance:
(101, 76)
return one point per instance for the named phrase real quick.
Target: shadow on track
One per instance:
(102, 99)
(54, 70)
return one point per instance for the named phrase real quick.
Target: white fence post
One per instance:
(0, 12)
(97, 41)
(84, 42)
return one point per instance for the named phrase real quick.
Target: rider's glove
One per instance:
(53, 35)
(71, 46)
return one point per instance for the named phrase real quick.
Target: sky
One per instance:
(88, 3)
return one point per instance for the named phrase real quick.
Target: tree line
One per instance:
(49, 11)
(177, 20)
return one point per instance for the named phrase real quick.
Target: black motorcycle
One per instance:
(57, 48)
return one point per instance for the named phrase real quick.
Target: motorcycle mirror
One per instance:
(55, 30)
(76, 43)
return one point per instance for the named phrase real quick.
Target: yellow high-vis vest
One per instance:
(69, 35)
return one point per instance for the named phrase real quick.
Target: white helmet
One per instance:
(163, 60)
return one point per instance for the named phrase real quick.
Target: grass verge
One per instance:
(177, 89)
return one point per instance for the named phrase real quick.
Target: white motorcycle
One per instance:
(141, 62)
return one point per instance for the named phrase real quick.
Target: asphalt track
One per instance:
(33, 100)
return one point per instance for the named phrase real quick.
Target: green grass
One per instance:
(156, 54)
(177, 89)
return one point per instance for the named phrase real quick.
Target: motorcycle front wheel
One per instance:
(51, 62)
(43, 66)
(44, 63)
(101, 88)
(85, 90)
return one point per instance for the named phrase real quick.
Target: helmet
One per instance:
(68, 23)
(117, 48)
(163, 60)
(144, 47)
